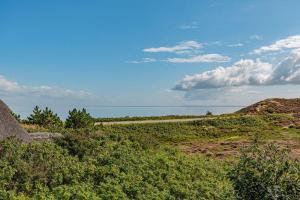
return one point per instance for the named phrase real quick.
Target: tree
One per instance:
(209, 113)
(36, 116)
(79, 119)
(45, 118)
(48, 118)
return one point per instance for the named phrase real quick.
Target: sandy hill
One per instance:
(9, 126)
(274, 105)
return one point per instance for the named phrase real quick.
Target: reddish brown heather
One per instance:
(275, 105)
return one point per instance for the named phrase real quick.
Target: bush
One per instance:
(266, 173)
(45, 118)
(79, 119)
(106, 166)
(209, 113)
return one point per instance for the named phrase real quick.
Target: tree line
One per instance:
(77, 118)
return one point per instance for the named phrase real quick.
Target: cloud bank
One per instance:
(292, 42)
(8, 87)
(245, 73)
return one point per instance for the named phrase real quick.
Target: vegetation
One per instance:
(44, 118)
(266, 173)
(113, 119)
(216, 128)
(209, 113)
(79, 119)
(147, 161)
(114, 166)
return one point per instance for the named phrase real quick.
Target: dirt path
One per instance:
(152, 121)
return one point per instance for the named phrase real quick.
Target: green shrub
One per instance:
(209, 113)
(265, 173)
(79, 119)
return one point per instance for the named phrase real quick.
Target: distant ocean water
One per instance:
(122, 111)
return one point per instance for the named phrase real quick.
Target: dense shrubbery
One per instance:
(116, 166)
(133, 162)
(266, 173)
(91, 166)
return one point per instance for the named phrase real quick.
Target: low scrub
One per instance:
(265, 173)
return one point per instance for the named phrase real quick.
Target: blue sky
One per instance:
(114, 52)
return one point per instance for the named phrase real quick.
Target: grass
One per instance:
(182, 160)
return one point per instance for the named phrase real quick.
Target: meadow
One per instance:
(206, 159)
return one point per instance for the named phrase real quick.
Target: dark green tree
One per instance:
(36, 116)
(79, 119)
(209, 113)
(50, 119)
(45, 118)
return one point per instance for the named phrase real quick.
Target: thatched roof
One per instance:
(9, 126)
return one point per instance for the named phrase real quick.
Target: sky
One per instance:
(93, 53)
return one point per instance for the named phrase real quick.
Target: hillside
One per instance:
(274, 105)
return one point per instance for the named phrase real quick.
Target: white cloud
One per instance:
(8, 87)
(292, 42)
(256, 37)
(241, 96)
(193, 25)
(143, 60)
(236, 45)
(206, 58)
(183, 46)
(245, 73)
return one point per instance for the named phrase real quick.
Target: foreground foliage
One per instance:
(139, 161)
(93, 166)
(266, 173)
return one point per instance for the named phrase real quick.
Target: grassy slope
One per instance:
(237, 129)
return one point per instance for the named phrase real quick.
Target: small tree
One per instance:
(36, 116)
(209, 113)
(45, 118)
(50, 119)
(265, 173)
(79, 119)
